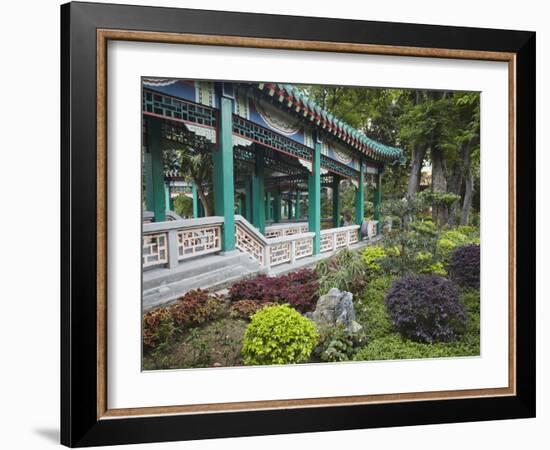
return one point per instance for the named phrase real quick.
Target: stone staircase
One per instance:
(212, 272)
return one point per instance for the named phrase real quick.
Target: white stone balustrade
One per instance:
(168, 243)
(175, 240)
(285, 229)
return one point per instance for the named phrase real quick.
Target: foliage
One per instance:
(245, 309)
(404, 209)
(299, 289)
(371, 256)
(371, 311)
(215, 344)
(464, 266)
(394, 346)
(158, 329)
(183, 206)
(428, 264)
(345, 271)
(426, 308)
(278, 335)
(451, 239)
(410, 251)
(336, 344)
(196, 307)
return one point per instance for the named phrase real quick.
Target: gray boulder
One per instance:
(335, 308)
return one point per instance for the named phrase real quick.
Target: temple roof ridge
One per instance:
(296, 100)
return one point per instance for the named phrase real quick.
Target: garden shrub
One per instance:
(426, 308)
(345, 271)
(428, 264)
(336, 344)
(449, 240)
(464, 265)
(160, 325)
(371, 257)
(278, 335)
(371, 311)
(298, 289)
(195, 307)
(158, 328)
(245, 309)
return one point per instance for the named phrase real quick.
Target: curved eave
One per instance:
(289, 97)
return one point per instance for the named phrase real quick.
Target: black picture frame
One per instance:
(80, 425)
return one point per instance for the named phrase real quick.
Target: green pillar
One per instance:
(268, 210)
(314, 196)
(378, 200)
(224, 188)
(248, 199)
(167, 196)
(258, 205)
(290, 214)
(240, 205)
(154, 179)
(277, 206)
(298, 206)
(195, 193)
(336, 201)
(360, 197)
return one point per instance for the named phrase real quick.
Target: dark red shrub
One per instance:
(195, 307)
(426, 308)
(299, 289)
(463, 267)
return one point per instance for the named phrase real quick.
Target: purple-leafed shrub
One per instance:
(298, 289)
(463, 267)
(426, 308)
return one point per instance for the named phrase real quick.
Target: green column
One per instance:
(258, 205)
(195, 193)
(290, 215)
(298, 206)
(167, 196)
(268, 210)
(277, 206)
(154, 178)
(240, 205)
(248, 199)
(360, 197)
(224, 189)
(336, 201)
(314, 196)
(377, 200)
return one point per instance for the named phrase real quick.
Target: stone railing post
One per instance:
(172, 249)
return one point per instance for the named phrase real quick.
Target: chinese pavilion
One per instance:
(273, 150)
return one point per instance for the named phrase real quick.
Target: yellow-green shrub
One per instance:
(449, 240)
(278, 335)
(371, 257)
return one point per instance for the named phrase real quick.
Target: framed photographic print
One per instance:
(277, 224)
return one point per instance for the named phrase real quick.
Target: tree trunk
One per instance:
(417, 159)
(440, 213)
(468, 193)
(455, 187)
(204, 200)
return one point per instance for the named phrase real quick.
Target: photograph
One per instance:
(288, 223)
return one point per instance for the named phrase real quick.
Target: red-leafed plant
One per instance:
(298, 289)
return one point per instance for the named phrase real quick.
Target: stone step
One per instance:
(193, 267)
(212, 280)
